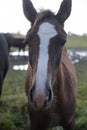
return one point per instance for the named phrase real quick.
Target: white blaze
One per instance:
(45, 32)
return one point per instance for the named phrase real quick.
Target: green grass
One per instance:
(13, 103)
(77, 42)
(81, 111)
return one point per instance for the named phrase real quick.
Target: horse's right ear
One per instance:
(29, 10)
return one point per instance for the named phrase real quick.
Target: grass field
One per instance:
(77, 42)
(13, 103)
(81, 109)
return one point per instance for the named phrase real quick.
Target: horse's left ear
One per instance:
(64, 11)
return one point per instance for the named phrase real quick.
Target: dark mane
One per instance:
(46, 14)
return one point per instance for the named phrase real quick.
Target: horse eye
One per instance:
(29, 42)
(63, 42)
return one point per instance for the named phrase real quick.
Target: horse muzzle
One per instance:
(40, 99)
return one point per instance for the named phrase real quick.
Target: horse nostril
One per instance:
(49, 96)
(32, 93)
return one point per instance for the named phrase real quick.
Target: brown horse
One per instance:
(4, 64)
(50, 79)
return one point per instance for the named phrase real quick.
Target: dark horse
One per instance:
(14, 42)
(3, 60)
(50, 79)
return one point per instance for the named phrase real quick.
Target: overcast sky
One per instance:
(12, 18)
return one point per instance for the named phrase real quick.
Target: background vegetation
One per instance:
(77, 42)
(13, 103)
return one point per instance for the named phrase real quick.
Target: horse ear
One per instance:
(29, 10)
(64, 11)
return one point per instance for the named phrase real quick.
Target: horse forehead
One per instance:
(47, 30)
